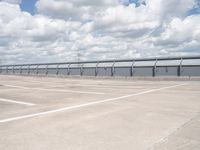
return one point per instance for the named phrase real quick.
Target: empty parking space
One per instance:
(65, 113)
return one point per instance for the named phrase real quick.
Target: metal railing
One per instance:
(162, 66)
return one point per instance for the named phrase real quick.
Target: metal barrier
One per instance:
(171, 66)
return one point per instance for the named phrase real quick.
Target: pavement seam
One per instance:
(164, 139)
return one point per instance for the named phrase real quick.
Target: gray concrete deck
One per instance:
(40, 113)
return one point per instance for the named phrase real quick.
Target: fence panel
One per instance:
(89, 71)
(174, 66)
(122, 71)
(166, 71)
(104, 71)
(190, 71)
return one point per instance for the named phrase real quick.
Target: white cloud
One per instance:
(73, 9)
(12, 1)
(180, 35)
(103, 29)
(170, 8)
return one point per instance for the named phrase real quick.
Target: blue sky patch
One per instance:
(136, 2)
(195, 10)
(28, 6)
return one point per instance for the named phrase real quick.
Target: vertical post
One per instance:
(20, 70)
(105, 71)
(46, 69)
(28, 69)
(57, 69)
(13, 69)
(37, 69)
(132, 68)
(154, 69)
(166, 69)
(68, 69)
(81, 70)
(6, 69)
(1, 71)
(179, 69)
(113, 69)
(96, 69)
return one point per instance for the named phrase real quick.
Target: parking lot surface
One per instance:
(46, 113)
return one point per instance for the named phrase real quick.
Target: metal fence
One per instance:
(173, 66)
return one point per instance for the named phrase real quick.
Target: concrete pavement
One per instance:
(71, 114)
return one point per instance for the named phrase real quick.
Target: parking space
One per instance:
(75, 113)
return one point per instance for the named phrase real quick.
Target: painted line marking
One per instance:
(86, 104)
(98, 86)
(87, 85)
(16, 102)
(54, 90)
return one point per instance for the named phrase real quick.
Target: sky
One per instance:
(33, 31)
(28, 6)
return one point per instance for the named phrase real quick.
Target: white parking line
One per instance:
(54, 90)
(16, 102)
(98, 86)
(15, 86)
(87, 85)
(86, 104)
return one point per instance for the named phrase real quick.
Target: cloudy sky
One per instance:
(58, 30)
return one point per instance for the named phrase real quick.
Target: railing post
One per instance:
(20, 70)
(68, 70)
(166, 69)
(179, 69)
(113, 69)
(81, 70)
(37, 69)
(28, 69)
(132, 68)
(46, 69)
(1, 71)
(57, 69)
(154, 69)
(96, 69)
(6, 69)
(13, 70)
